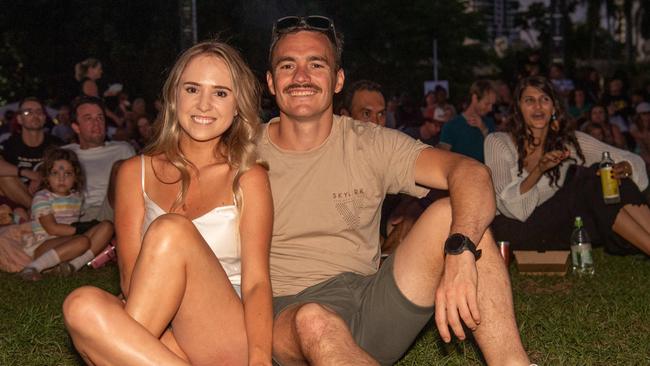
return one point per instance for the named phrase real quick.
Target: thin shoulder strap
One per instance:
(142, 164)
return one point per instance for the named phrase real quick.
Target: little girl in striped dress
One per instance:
(57, 237)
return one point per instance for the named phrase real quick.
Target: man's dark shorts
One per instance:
(382, 321)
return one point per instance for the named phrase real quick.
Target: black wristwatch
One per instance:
(458, 243)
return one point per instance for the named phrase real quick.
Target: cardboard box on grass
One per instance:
(549, 263)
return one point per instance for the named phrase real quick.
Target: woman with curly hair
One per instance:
(545, 174)
(193, 221)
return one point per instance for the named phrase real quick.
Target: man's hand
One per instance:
(34, 179)
(456, 296)
(476, 121)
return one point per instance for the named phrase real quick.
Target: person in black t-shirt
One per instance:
(22, 153)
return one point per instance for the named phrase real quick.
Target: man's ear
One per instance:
(340, 80)
(345, 112)
(269, 82)
(75, 127)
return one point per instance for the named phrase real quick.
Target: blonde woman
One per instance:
(193, 223)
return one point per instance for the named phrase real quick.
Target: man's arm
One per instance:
(473, 207)
(7, 169)
(470, 189)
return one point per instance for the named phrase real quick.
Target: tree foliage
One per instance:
(137, 41)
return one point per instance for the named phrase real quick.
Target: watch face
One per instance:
(454, 243)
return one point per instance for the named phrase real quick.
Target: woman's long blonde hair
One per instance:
(237, 143)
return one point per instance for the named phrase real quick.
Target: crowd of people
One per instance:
(241, 241)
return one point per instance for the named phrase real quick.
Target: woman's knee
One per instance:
(167, 231)
(82, 309)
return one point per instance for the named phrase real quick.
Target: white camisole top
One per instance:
(219, 228)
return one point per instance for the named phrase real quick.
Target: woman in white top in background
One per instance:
(186, 212)
(545, 174)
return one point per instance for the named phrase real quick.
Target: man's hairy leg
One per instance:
(419, 270)
(311, 334)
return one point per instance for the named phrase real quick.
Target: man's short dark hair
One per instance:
(481, 88)
(359, 85)
(336, 42)
(86, 99)
(31, 99)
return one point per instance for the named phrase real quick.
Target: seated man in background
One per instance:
(365, 102)
(464, 134)
(23, 152)
(97, 156)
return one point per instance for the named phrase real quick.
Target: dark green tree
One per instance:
(137, 41)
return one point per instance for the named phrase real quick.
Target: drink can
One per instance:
(104, 257)
(504, 249)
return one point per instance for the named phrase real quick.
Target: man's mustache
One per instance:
(302, 86)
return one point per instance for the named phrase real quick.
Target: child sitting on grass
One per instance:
(57, 236)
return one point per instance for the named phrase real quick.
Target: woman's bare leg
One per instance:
(640, 214)
(630, 229)
(189, 297)
(104, 333)
(176, 278)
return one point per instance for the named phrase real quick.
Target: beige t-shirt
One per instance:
(328, 200)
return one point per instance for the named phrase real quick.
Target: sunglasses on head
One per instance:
(314, 22)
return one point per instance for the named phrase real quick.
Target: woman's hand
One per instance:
(551, 159)
(622, 170)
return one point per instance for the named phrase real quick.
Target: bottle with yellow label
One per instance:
(609, 183)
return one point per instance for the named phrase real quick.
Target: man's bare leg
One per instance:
(419, 264)
(311, 334)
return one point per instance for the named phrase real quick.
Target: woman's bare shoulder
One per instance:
(256, 173)
(131, 166)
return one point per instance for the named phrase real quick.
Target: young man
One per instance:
(96, 156)
(329, 175)
(364, 101)
(22, 153)
(464, 134)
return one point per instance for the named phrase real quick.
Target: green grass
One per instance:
(602, 320)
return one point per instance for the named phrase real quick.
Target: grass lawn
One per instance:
(603, 320)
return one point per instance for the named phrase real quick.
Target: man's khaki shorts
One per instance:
(382, 321)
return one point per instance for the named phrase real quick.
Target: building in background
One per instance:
(499, 17)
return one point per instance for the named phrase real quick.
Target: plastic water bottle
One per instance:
(608, 182)
(583, 263)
